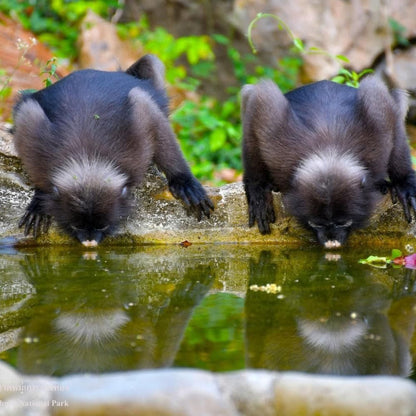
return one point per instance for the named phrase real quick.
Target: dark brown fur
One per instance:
(88, 139)
(362, 129)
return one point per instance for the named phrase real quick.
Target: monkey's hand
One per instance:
(405, 192)
(260, 210)
(34, 219)
(191, 192)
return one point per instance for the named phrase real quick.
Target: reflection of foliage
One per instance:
(215, 333)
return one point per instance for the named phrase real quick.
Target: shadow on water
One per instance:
(213, 307)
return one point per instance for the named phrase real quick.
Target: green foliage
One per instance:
(399, 32)
(55, 22)
(209, 130)
(214, 336)
(50, 70)
(345, 76)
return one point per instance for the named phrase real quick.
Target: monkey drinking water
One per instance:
(330, 149)
(88, 139)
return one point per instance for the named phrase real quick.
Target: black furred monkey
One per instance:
(330, 149)
(86, 140)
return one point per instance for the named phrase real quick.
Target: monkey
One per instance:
(87, 140)
(330, 149)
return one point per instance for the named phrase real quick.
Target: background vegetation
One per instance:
(208, 129)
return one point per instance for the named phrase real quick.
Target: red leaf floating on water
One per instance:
(185, 243)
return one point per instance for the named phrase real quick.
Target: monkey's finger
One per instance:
(393, 195)
(403, 201)
(413, 203)
(209, 203)
(251, 217)
(47, 223)
(206, 207)
(29, 224)
(37, 225)
(24, 218)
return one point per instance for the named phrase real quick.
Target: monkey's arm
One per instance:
(257, 182)
(35, 218)
(167, 154)
(401, 173)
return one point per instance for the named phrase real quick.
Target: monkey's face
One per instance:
(334, 216)
(90, 217)
(331, 234)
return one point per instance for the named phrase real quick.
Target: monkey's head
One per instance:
(88, 199)
(332, 195)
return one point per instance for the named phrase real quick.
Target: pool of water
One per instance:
(216, 307)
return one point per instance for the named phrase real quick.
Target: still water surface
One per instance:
(220, 308)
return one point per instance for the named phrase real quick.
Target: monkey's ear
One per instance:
(265, 102)
(375, 99)
(149, 67)
(401, 98)
(30, 121)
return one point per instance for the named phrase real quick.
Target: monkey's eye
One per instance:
(345, 224)
(103, 229)
(313, 225)
(76, 228)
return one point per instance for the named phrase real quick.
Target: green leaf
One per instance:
(342, 58)
(217, 139)
(298, 44)
(396, 253)
(376, 261)
(339, 79)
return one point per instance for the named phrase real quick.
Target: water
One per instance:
(219, 308)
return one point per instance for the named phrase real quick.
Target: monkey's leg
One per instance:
(182, 183)
(149, 121)
(34, 218)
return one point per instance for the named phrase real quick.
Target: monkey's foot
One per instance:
(260, 210)
(191, 192)
(34, 220)
(406, 194)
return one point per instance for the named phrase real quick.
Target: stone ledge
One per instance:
(188, 392)
(160, 219)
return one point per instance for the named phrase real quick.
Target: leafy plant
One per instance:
(56, 22)
(345, 76)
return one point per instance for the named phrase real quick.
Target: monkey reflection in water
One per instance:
(330, 149)
(88, 140)
(334, 319)
(113, 321)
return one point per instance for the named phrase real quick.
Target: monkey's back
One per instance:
(327, 115)
(90, 116)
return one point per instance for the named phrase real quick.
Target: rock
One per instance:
(10, 381)
(355, 396)
(360, 30)
(403, 74)
(101, 47)
(158, 218)
(182, 392)
(173, 392)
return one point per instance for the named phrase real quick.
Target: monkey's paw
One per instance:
(191, 192)
(260, 210)
(405, 192)
(34, 220)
